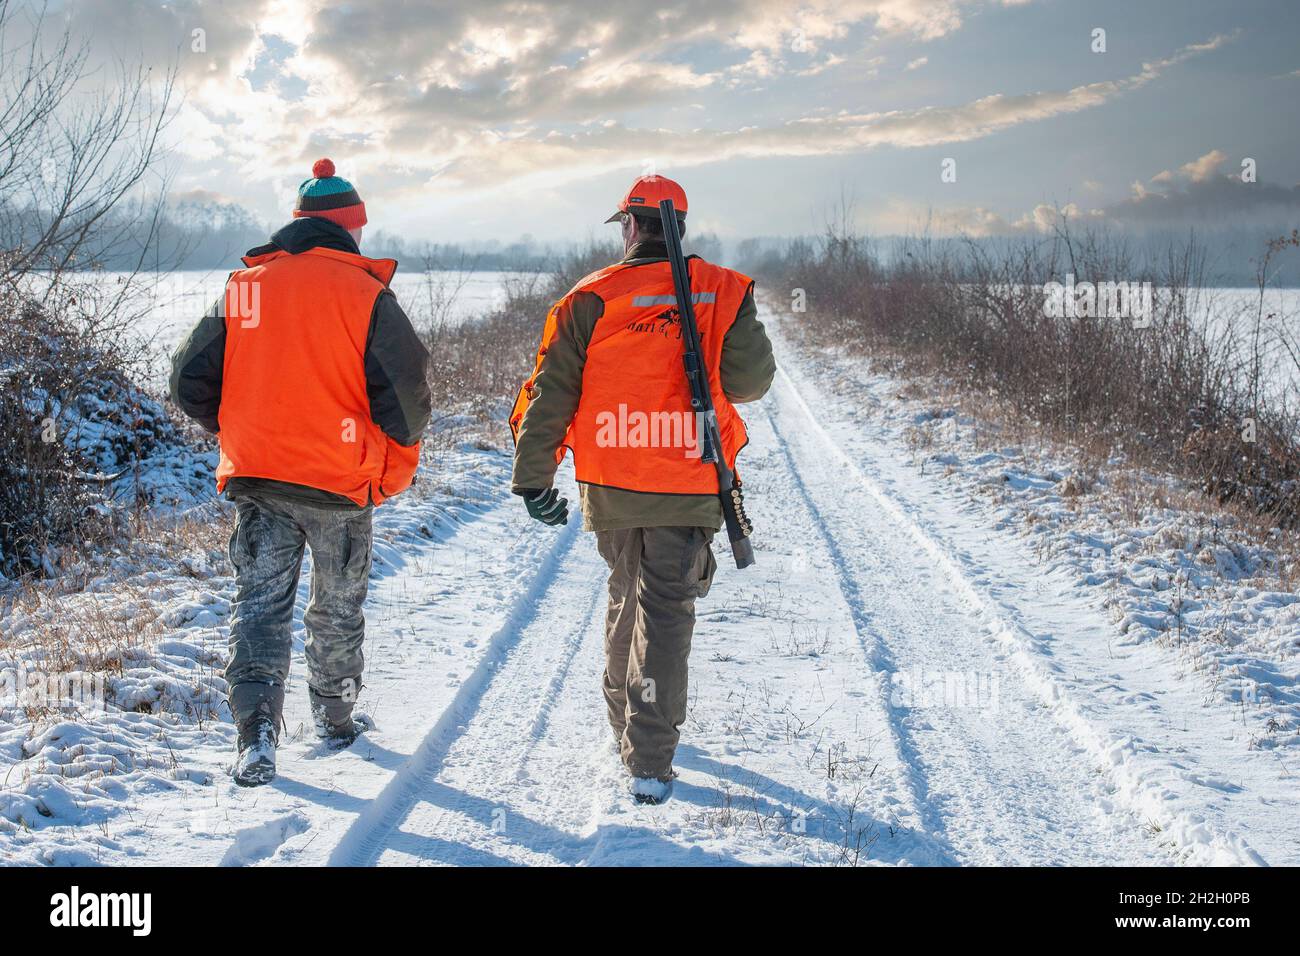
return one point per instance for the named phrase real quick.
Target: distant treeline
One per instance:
(212, 235)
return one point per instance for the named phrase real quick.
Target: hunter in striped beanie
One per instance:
(331, 197)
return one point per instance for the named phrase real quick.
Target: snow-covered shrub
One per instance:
(81, 447)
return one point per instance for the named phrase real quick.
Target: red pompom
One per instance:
(323, 168)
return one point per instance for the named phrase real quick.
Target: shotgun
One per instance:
(697, 376)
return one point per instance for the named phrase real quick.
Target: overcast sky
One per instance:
(475, 119)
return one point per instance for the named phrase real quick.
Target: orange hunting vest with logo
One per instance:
(634, 428)
(294, 405)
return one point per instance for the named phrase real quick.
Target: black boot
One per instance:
(334, 720)
(257, 709)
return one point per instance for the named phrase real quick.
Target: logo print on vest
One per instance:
(667, 323)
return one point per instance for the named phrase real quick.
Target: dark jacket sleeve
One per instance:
(748, 365)
(198, 365)
(397, 373)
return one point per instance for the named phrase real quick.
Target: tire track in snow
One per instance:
(981, 768)
(363, 841)
(1134, 786)
(876, 658)
(484, 806)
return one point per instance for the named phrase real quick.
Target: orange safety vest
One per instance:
(634, 428)
(294, 405)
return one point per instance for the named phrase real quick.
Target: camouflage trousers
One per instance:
(655, 576)
(266, 549)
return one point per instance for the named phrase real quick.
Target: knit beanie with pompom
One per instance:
(326, 196)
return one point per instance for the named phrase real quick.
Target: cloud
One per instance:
(900, 217)
(831, 61)
(1211, 200)
(201, 196)
(1045, 217)
(206, 41)
(916, 64)
(1198, 170)
(486, 94)
(502, 62)
(415, 83)
(581, 153)
(1198, 195)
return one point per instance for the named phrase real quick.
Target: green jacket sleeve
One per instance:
(559, 387)
(748, 365)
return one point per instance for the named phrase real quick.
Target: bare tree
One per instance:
(76, 147)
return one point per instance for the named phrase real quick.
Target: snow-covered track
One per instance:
(365, 838)
(1134, 786)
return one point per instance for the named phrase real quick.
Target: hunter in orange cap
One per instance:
(609, 387)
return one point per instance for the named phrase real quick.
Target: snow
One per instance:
(1166, 722)
(914, 673)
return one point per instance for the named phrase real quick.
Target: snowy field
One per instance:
(173, 303)
(941, 657)
(1232, 312)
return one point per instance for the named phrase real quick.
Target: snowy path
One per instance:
(524, 770)
(999, 781)
(801, 744)
(1161, 744)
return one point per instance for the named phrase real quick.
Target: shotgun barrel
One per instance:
(697, 376)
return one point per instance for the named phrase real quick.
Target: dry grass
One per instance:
(99, 621)
(476, 367)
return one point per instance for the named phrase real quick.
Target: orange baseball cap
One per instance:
(644, 196)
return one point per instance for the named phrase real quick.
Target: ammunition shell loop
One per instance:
(738, 504)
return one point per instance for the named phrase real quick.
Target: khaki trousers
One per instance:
(655, 576)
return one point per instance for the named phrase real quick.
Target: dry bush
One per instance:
(88, 627)
(82, 637)
(1172, 395)
(76, 144)
(476, 366)
(1262, 475)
